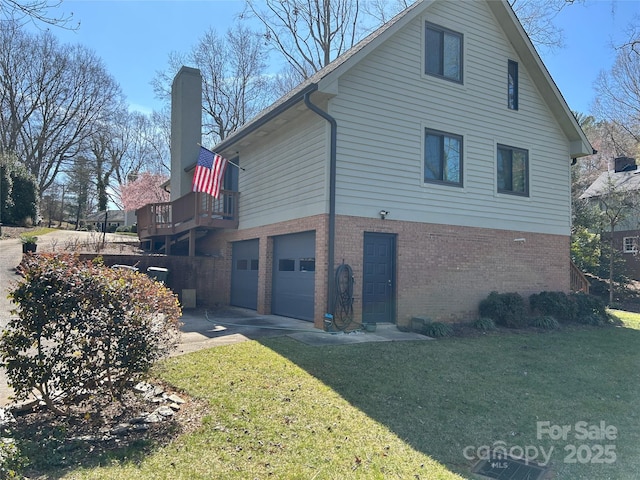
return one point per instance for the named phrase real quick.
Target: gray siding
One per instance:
(285, 175)
(385, 103)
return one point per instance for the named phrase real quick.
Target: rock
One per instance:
(176, 399)
(142, 387)
(174, 406)
(121, 429)
(140, 419)
(164, 411)
(153, 418)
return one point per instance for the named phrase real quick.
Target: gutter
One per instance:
(332, 197)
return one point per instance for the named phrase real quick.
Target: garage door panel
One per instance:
(293, 293)
(244, 274)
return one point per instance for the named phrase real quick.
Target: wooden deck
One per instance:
(190, 212)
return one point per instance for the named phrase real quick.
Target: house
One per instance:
(427, 166)
(624, 182)
(114, 219)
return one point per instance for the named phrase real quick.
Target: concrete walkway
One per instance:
(201, 328)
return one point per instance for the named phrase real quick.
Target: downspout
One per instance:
(332, 199)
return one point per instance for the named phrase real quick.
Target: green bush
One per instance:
(485, 324)
(555, 304)
(437, 330)
(82, 331)
(588, 309)
(546, 322)
(506, 309)
(11, 460)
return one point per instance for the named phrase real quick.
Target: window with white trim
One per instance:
(630, 245)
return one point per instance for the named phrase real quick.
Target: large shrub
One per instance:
(589, 309)
(81, 329)
(554, 304)
(506, 309)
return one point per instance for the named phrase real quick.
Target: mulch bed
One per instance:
(53, 444)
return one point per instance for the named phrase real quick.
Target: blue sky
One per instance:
(135, 37)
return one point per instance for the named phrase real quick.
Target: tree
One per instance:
(143, 190)
(618, 91)
(80, 183)
(82, 330)
(35, 11)
(617, 202)
(53, 98)
(234, 85)
(537, 18)
(18, 193)
(309, 34)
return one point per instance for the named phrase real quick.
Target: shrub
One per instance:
(554, 304)
(11, 460)
(82, 330)
(437, 330)
(506, 309)
(485, 324)
(588, 309)
(546, 322)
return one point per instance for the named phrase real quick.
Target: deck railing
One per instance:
(579, 282)
(194, 210)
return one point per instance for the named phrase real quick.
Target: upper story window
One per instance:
(442, 157)
(443, 53)
(513, 170)
(512, 85)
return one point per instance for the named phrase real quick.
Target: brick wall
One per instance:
(219, 244)
(443, 272)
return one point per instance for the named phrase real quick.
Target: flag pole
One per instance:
(228, 161)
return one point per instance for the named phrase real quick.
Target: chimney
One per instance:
(186, 128)
(625, 164)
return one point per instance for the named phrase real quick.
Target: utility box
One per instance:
(158, 274)
(188, 298)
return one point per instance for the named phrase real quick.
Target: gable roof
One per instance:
(325, 79)
(610, 182)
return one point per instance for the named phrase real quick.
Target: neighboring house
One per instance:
(114, 219)
(624, 181)
(433, 158)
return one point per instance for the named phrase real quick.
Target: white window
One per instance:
(629, 245)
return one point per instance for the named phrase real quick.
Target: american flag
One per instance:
(209, 173)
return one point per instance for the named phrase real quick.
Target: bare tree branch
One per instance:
(36, 11)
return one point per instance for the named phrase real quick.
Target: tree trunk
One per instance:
(611, 252)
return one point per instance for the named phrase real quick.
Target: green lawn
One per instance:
(406, 410)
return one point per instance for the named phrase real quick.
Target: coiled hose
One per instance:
(343, 315)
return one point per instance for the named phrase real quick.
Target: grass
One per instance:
(281, 409)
